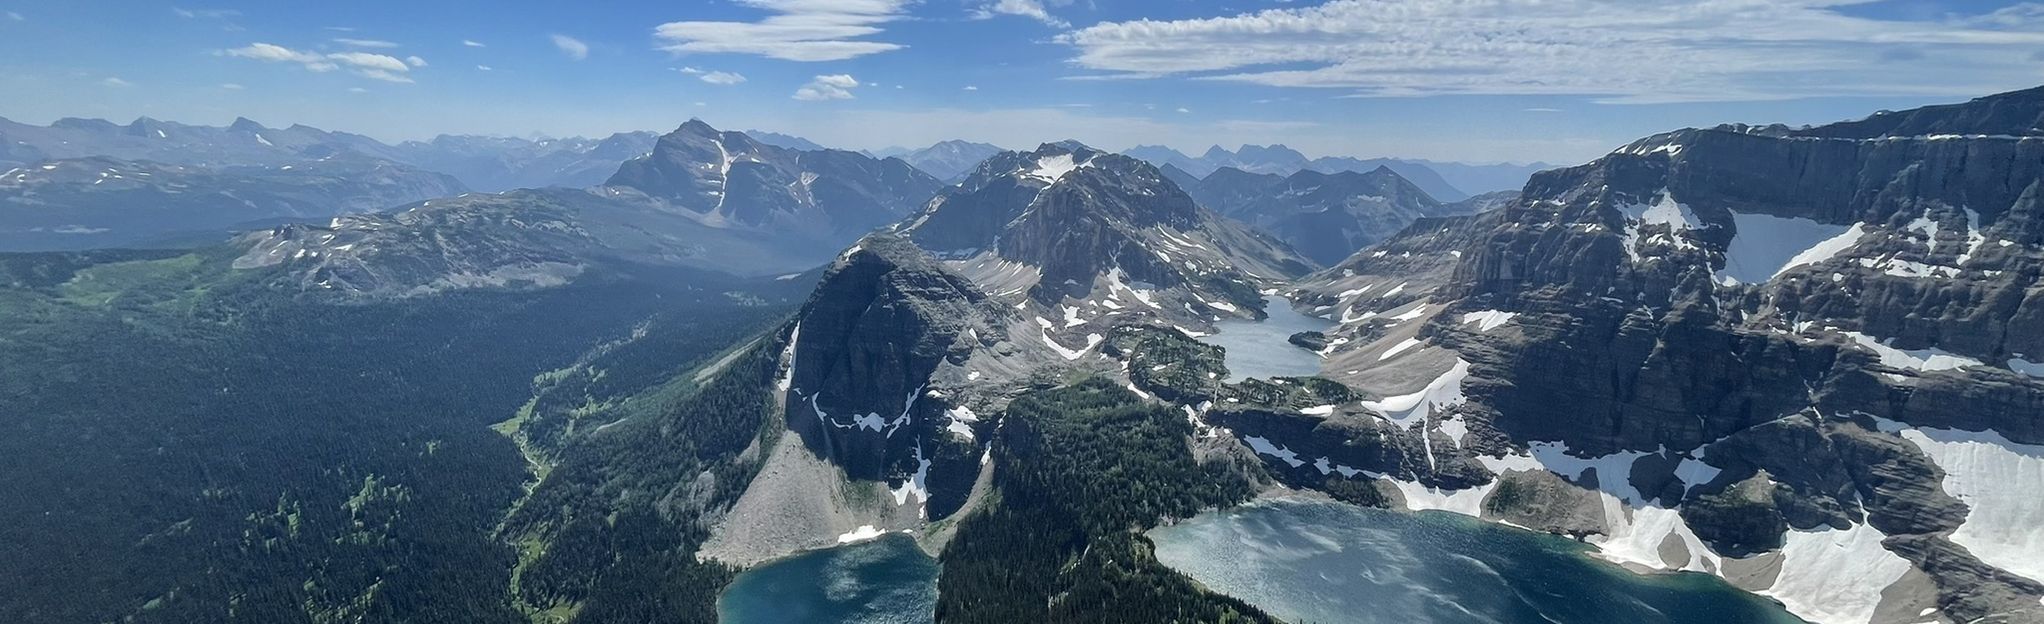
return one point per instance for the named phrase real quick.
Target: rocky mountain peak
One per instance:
(244, 124)
(727, 179)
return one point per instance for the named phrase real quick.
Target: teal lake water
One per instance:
(1262, 349)
(884, 581)
(1330, 563)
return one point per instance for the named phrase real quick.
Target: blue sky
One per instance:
(1471, 80)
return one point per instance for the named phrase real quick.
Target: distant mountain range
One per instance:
(703, 199)
(1445, 181)
(1325, 216)
(482, 163)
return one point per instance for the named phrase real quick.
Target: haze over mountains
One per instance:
(1445, 181)
(1802, 362)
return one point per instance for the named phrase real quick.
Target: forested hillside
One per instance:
(188, 443)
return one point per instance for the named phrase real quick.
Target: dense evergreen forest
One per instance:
(1080, 472)
(188, 443)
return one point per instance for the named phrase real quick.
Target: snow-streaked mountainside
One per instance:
(1326, 217)
(1445, 181)
(914, 336)
(1790, 358)
(1818, 382)
(729, 179)
(97, 202)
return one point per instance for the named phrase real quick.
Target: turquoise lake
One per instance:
(1262, 349)
(884, 581)
(1330, 563)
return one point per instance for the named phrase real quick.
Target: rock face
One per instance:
(1763, 342)
(729, 179)
(107, 202)
(1327, 217)
(880, 324)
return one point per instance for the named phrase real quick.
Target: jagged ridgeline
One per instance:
(1804, 361)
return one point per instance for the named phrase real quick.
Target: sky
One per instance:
(1559, 81)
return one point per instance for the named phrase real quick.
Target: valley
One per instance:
(1729, 374)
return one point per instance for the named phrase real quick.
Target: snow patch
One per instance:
(1051, 168)
(863, 533)
(1999, 481)
(1487, 320)
(1263, 446)
(1835, 577)
(1763, 246)
(1930, 359)
(1411, 409)
(1399, 348)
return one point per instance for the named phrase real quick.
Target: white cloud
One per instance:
(369, 65)
(473, 43)
(415, 61)
(115, 81)
(572, 47)
(484, 68)
(828, 87)
(722, 78)
(367, 60)
(971, 87)
(1616, 50)
(357, 90)
(1032, 9)
(797, 30)
(231, 86)
(712, 76)
(1184, 109)
(15, 16)
(364, 43)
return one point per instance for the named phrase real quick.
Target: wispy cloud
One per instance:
(828, 87)
(116, 81)
(231, 86)
(797, 30)
(572, 47)
(205, 13)
(415, 61)
(1032, 9)
(13, 16)
(364, 43)
(473, 43)
(366, 64)
(484, 68)
(712, 76)
(971, 88)
(1615, 50)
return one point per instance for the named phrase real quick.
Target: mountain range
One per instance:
(1445, 181)
(1803, 362)
(1326, 217)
